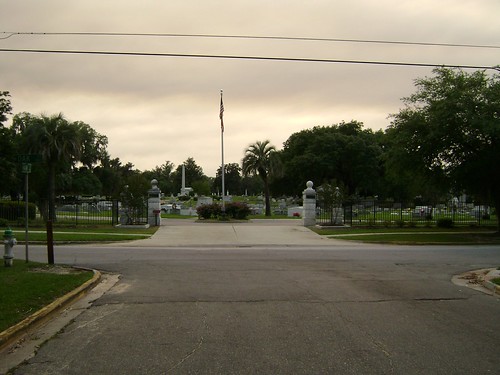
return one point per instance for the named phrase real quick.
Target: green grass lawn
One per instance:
(417, 236)
(27, 287)
(83, 233)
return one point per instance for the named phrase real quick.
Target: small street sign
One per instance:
(26, 168)
(29, 158)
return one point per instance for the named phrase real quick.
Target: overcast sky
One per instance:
(154, 109)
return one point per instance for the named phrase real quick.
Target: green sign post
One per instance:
(29, 158)
(26, 161)
(26, 168)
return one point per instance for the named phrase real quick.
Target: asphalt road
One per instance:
(342, 309)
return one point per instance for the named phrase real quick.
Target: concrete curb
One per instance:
(493, 274)
(14, 332)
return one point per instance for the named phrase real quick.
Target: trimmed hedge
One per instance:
(207, 211)
(13, 210)
(444, 223)
(234, 210)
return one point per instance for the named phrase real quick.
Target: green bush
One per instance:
(445, 222)
(216, 210)
(238, 210)
(209, 211)
(13, 210)
(400, 223)
(234, 210)
(204, 211)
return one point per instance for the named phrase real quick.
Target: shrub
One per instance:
(236, 210)
(204, 211)
(400, 223)
(445, 223)
(239, 210)
(412, 224)
(3, 222)
(208, 211)
(216, 210)
(13, 210)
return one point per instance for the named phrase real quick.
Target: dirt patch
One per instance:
(474, 277)
(60, 270)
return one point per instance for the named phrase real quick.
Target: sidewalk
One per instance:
(189, 232)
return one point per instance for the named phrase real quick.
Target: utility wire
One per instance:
(243, 57)
(368, 41)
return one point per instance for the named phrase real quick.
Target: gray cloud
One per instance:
(155, 109)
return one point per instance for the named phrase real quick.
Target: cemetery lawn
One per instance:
(27, 287)
(416, 236)
(90, 234)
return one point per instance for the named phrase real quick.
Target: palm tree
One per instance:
(58, 142)
(261, 159)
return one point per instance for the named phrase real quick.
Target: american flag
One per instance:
(221, 113)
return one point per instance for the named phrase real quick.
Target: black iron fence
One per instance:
(379, 213)
(15, 211)
(85, 212)
(78, 212)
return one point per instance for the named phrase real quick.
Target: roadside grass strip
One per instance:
(35, 285)
(77, 236)
(423, 238)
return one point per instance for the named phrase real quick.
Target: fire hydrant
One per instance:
(9, 242)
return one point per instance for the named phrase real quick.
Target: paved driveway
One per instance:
(237, 308)
(190, 232)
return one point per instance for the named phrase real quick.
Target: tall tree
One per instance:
(449, 132)
(232, 179)
(262, 159)
(163, 174)
(193, 172)
(5, 106)
(345, 152)
(8, 179)
(93, 145)
(84, 182)
(59, 144)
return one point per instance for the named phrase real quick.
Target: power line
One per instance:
(367, 41)
(243, 57)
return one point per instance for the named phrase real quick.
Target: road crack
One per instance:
(204, 327)
(374, 341)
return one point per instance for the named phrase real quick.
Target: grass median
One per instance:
(85, 234)
(27, 287)
(416, 236)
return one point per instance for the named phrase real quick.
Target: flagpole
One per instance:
(221, 115)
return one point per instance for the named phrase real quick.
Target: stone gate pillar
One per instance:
(154, 210)
(309, 204)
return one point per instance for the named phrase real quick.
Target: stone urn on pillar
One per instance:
(309, 205)
(154, 217)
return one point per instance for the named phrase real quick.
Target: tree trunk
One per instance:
(497, 210)
(52, 192)
(268, 198)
